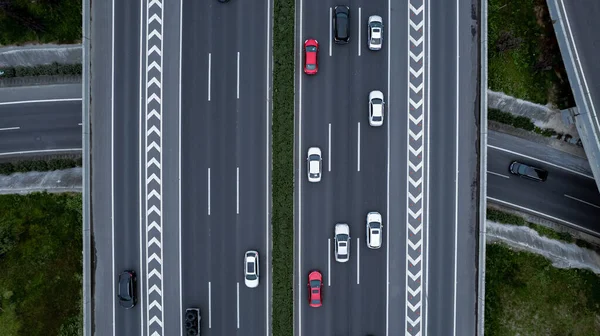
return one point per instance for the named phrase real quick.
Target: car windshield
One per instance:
(311, 49)
(342, 237)
(311, 66)
(315, 284)
(377, 101)
(374, 225)
(522, 169)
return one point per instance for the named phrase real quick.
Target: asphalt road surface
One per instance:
(225, 151)
(332, 110)
(40, 126)
(569, 195)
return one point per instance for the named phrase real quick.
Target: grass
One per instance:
(7, 168)
(524, 57)
(519, 122)
(26, 21)
(526, 295)
(508, 218)
(283, 167)
(41, 263)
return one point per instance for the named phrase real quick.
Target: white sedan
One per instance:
(376, 108)
(314, 163)
(374, 230)
(251, 272)
(375, 38)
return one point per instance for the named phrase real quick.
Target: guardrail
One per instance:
(483, 126)
(86, 194)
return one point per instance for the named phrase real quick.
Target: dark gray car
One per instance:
(527, 171)
(127, 289)
(341, 24)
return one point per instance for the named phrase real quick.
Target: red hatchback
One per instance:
(315, 286)
(311, 49)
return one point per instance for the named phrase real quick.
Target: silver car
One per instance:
(342, 242)
(374, 230)
(376, 108)
(251, 271)
(375, 31)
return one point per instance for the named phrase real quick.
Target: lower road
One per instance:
(569, 195)
(40, 126)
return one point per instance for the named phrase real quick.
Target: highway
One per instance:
(225, 151)
(569, 196)
(40, 126)
(332, 114)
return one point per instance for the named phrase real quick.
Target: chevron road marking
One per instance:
(415, 178)
(153, 171)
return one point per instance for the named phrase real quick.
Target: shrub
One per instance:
(8, 168)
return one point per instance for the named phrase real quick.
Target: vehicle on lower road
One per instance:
(527, 171)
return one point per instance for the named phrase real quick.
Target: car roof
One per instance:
(314, 166)
(376, 238)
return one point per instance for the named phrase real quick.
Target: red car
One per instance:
(315, 289)
(311, 49)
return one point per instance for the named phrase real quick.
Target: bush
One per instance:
(283, 167)
(54, 69)
(518, 122)
(7, 168)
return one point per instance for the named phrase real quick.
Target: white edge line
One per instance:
(428, 85)
(112, 164)
(12, 128)
(542, 161)
(329, 150)
(358, 146)
(580, 228)
(268, 171)
(387, 270)
(209, 307)
(582, 201)
(46, 100)
(41, 151)
(456, 167)
(140, 169)
(299, 149)
(179, 159)
(497, 174)
(209, 74)
(406, 224)
(328, 261)
(359, 29)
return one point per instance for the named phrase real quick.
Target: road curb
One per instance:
(86, 194)
(483, 122)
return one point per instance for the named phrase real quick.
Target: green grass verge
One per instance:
(41, 263)
(7, 168)
(54, 69)
(283, 167)
(508, 218)
(526, 295)
(26, 21)
(518, 122)
(524, 58)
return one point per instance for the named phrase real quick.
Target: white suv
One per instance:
(376, 108)
(314, 164)
(375, 38)
(374, 230)
(342, 242)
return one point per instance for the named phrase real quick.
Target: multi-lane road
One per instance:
(180, 128)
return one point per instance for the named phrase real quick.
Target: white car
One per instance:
(376, 108)
(375, 31)
(251, 272)
(314, 164)
(342, 242)
(374, 230)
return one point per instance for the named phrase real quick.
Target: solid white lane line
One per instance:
(209, 191)
(582, 201)
(497, 174)
(179, 166)
(141, 158)
(358, 261)
(40, 101)
(329, 149)
(299, 175)
(267, 169)
(456, 181)
(358, 157)
(237, 191)
(12, 128)
(580, 228)
(328, 261)
(112, 165)
(330, 29)
(238, 75)
(359, 28)
(539, 160)
(238, 305)
(209, 74)
(42, 151)
(209, 307)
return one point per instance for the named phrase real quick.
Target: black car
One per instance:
(127, 289)
(223, 1)
(527, 171)
(341, 24)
